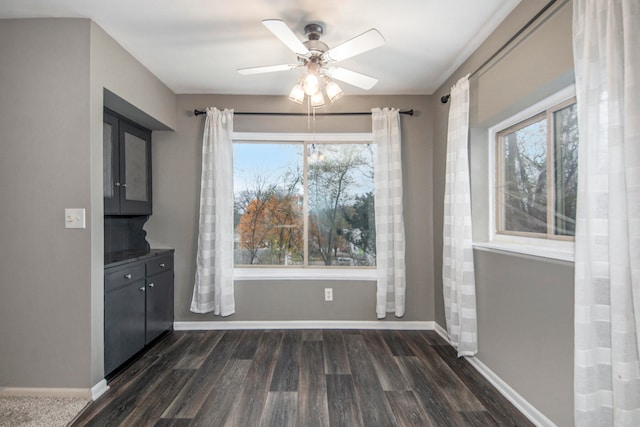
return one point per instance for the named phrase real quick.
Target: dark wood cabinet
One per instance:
(126, 167)
(138, 305)
(159, 296)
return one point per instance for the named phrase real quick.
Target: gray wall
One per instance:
(52, 78)
(45, 269)
(525, 304)
(176, 162)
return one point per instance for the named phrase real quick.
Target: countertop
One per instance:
(114, 259)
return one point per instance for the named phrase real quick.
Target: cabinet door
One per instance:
(110, 162)
(124, 318)
(135, 170)
(159, 304)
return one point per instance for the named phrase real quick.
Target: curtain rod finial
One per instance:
(444, 99)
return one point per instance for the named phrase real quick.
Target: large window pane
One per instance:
(566, 169)
(341, 205)
(268, 209)
(304, 204)
(524, 178)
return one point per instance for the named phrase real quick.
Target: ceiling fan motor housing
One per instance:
(313, 31)
(315, 46)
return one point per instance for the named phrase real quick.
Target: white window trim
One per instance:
(307, 273)
(546, 248)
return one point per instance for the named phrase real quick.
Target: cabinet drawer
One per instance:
(114, 279)
(159, 264)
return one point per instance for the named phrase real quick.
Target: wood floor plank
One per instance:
(312, 387)
(199, 348)
(121, 405)
(451, 387)
(407, 409)
(335, 354)
(172, 422)
(430, 397)
(385, 364)
(397, 345)
(498, 406)
(371, 398)
(216, 408)
(312, 335)
(248, 407)
(280, 409)
(190, 400)
(120, 401)
(479, 419)
(286, 372)
(343, 404)
(433, 338)
(154, 400)
(248, 345)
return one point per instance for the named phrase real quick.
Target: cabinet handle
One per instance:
(151, 285)
(116, 184)
(124, 185)
(162, 265)
(143, 289)
(127, 276)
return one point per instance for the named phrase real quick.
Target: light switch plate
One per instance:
(74, 218)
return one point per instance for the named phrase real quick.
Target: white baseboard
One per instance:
(527, 409)
(88, 393)
(99, 389)
(442, 332)
(305, 324)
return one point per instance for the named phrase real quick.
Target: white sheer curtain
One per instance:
(458, 279)
(606, 42)
(390, 245)
(213, 290)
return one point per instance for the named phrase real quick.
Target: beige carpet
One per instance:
(39, 411)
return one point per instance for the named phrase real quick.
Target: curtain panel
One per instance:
(390, 241)
(606, 49)
(213, 289)
(458, 278)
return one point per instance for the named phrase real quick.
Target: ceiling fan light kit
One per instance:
(315, 56)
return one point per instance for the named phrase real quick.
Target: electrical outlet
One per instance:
(328, 294)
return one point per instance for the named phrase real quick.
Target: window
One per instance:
(537, 173)
(304, 204)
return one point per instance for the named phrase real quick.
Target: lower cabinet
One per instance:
(159, 292)
(138, 306)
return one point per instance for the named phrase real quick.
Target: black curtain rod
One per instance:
(267, 113)
(444, 99)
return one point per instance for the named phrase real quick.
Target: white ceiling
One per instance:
(195, 46)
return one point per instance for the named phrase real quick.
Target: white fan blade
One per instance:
(286, 36)
(266, 69)
(359, 44)
(352, 78)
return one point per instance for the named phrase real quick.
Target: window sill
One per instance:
(562, 251)
(251, 274)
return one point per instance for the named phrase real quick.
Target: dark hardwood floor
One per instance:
(301, 378)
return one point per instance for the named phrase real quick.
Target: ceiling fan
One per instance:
(317, 58)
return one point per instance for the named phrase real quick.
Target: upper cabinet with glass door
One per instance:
(126, 167)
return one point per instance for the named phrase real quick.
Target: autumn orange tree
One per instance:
(270, 225)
